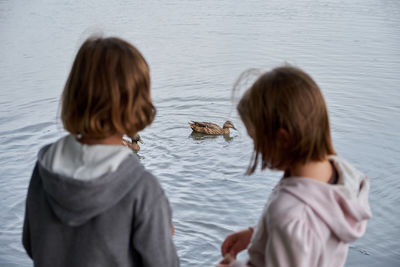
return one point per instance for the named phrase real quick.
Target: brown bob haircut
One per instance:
(286, 116)
(107, 91)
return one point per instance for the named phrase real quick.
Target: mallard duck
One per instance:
(133, 143)
(211, 128)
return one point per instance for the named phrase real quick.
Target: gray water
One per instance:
(196, 50)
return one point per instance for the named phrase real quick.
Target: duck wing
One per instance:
(206, 124)
(205, 127)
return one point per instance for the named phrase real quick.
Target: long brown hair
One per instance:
(108, 90)
(286, 116)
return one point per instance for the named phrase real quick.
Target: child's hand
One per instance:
(236, 242)
(226, 261)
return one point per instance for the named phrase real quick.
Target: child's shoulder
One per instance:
(285, 212)
(284, 206)
(135, 170)
(149, 182)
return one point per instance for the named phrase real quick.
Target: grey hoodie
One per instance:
(121, 218)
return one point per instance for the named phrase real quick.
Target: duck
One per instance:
(211, 128)
(133, 143)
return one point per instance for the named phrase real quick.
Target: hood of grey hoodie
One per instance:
(343, 207)
(75, 201)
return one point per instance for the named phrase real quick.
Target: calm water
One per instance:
(196, 50)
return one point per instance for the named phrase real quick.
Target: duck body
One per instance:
(211, 128)
(133, 143)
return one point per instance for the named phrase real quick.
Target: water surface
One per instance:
(196, 50)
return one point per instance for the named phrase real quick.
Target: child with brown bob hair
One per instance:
(321, 202)
(90, 201)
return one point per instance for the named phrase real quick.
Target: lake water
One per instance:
(196, 50)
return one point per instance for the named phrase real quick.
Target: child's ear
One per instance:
(283, 137)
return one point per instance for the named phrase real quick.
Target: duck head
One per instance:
(136, 139)
(228, 124)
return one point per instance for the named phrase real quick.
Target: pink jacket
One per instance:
(309, 223)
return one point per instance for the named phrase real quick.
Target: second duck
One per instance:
(133, 142)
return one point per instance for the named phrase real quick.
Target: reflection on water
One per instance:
(201, 136)
(196, 50)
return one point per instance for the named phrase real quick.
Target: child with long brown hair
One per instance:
(321, 202)
(90, 201)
